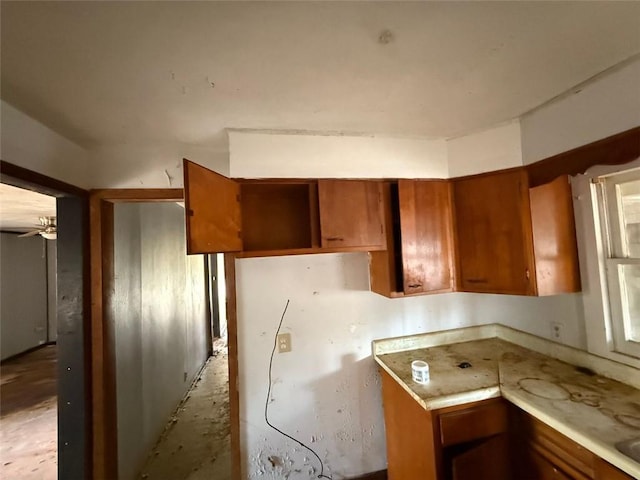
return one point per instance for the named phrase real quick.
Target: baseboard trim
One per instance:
(379, 475)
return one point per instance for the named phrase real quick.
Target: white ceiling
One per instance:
(142, 72)
(20, 209)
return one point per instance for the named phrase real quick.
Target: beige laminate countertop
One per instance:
(593, 410)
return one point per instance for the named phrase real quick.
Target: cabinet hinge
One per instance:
(238, 198)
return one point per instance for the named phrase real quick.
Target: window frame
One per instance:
(594, 332)
(614, 257)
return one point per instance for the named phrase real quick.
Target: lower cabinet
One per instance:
(466, 442)
(474, 441)
(542, 453)
(486, 440)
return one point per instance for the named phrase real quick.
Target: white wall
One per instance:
(258, 155)
(326, 392)
(29, 144)
(493, 149)
(149, 166)
(23, 293)
(609, 105)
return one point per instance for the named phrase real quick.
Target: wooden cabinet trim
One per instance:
(618, 149)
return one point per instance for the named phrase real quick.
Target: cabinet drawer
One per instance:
(468, 424)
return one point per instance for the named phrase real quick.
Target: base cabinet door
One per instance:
(486, 461)
(412, 449)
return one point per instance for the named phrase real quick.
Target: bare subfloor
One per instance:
(29, 417)
(195, 444)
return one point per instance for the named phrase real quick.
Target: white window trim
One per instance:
(597, 320)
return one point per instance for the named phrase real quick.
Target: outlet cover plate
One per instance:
(284, 342)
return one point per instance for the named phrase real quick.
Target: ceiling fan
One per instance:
(47, 229)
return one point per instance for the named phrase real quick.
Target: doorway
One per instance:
(141, 209)
(62, 370)
(28, 397)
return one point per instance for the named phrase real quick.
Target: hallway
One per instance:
(196, 443)
(28, 416)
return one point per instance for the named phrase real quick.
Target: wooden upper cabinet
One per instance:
(513, 239)
(554, 238)
(426, 234)
(493, 226)
(420, 251)
(351, 214)
(280, 216)
(212, 211)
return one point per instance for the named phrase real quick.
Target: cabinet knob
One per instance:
(414, 285)
(527, 274)
(477, 280)
(334, 239)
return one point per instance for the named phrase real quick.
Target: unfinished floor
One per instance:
(29, 416)
(196, 443)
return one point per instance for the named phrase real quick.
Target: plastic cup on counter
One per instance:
(420, 371)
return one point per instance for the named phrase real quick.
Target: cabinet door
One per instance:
(212, 211)
(486, 461)
(351, 213)
(554, 238)
(493, 226)
(606, 471)
(413, 452)
(539, 467)
(426, 233)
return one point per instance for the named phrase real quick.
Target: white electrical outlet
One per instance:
(284, 342)
(557, 331)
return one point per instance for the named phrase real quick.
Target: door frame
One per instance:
(73, 326)
(105, 439)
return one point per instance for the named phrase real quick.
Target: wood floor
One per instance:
(194, 446)
(28, 417)
(196, 443)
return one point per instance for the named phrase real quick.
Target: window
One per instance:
(619, 208)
